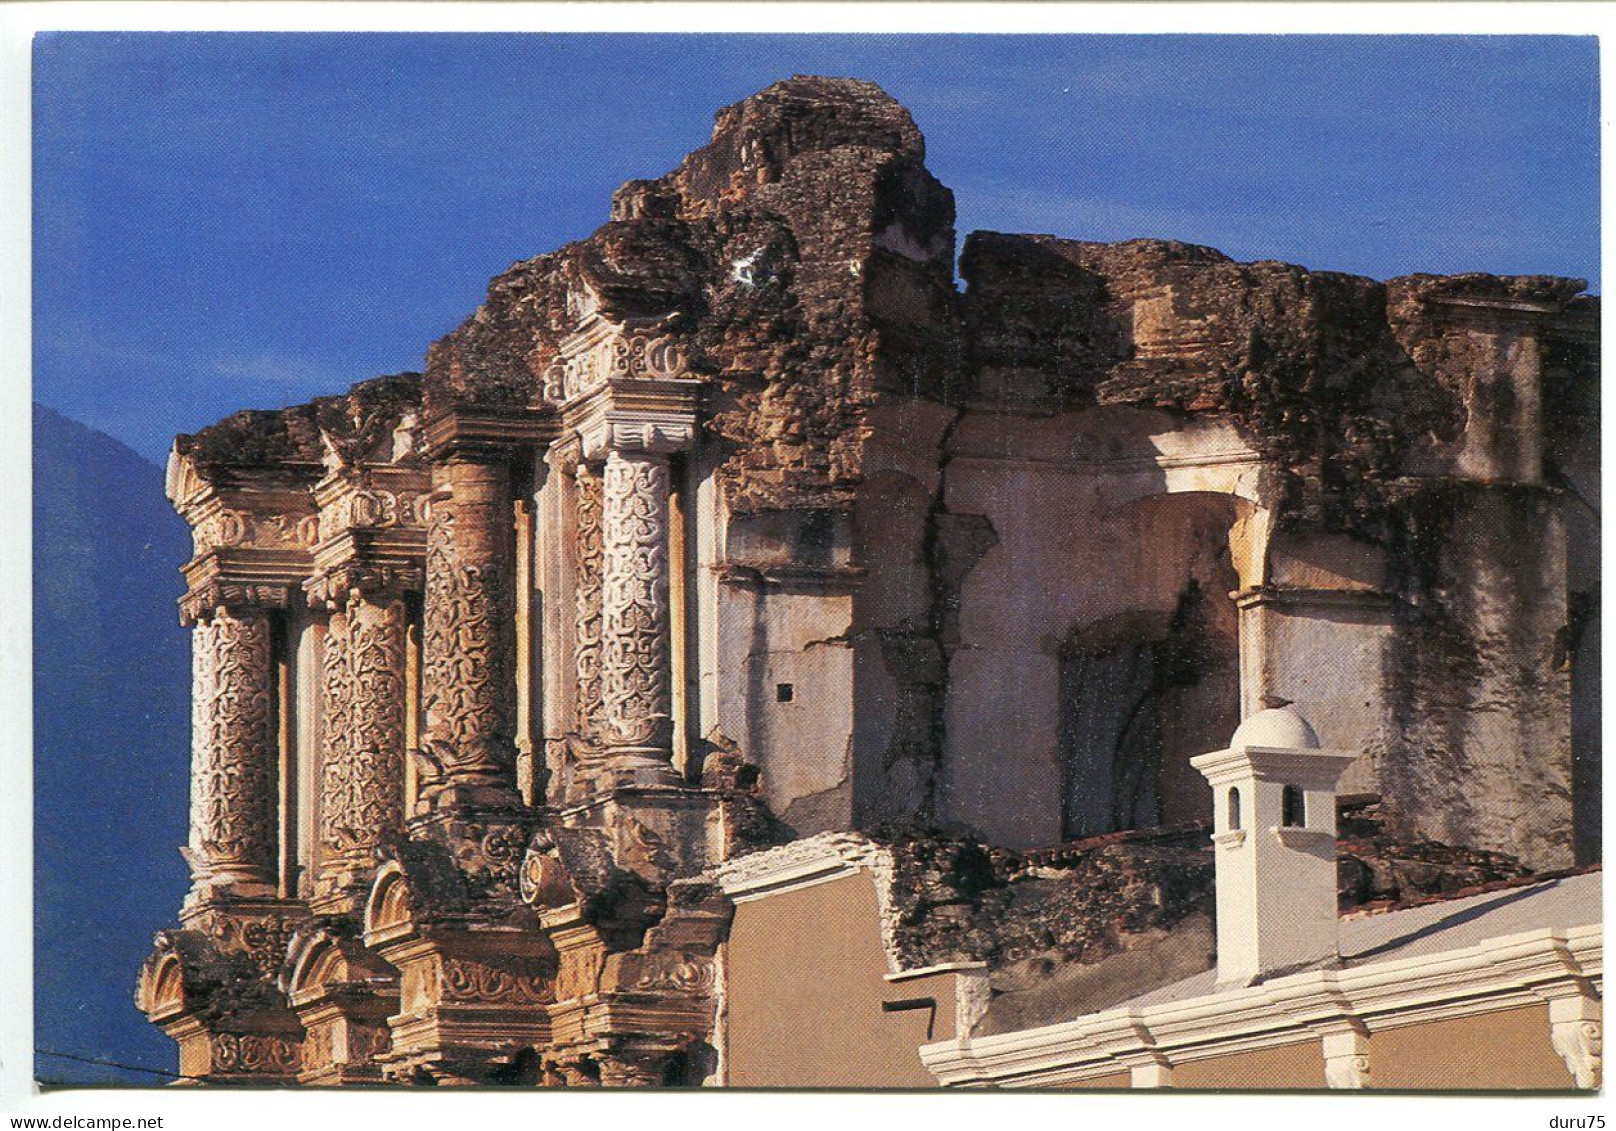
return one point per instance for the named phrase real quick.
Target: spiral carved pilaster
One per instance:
(635, 671)
(234, 834)
(468, 646)
(362, 791)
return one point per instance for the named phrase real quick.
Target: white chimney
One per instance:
(1273, 824)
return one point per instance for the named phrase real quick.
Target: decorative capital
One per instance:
(371, 580)
(203, 602)
(641, 433)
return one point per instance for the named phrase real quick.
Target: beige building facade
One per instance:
(738, 527)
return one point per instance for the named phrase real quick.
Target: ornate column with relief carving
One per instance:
(469, 646)
(362, 775)
(635, 671)
(234, 836)
(635, 720)
(369, 561)
(251, 532)
(632, 401)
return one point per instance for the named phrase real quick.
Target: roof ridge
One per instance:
(1382, 907)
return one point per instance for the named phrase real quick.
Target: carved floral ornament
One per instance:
(374, 508)
(253, 1052)
(225, 527)
(511, 982)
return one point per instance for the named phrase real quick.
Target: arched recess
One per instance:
(161, 990)
(314, 961)
(1152, 677)
(1086, 522)
(388, 913)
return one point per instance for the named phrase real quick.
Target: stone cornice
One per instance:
(486, 434)
(1502, 973)
(1318, 769)
(1488, 311)
(191, 486)
(799, 864)
(242, 579)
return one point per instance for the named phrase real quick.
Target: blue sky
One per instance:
(225, 221)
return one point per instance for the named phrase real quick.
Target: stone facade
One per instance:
(738, 522)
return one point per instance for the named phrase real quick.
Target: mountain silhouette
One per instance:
(111, 746)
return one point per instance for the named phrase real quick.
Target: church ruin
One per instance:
(739, 522)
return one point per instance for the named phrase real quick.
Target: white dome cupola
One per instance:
(1274, 804)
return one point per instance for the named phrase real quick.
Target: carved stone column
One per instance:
(469, 646)
(362, 786)
(626, 389)
(586, 652)
(636, 676)
(234, 838)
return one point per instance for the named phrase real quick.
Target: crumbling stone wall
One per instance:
(850, 519)
(805, 252)
(1075, 930)
(804, 255)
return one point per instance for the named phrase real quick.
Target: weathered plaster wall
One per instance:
(1287, 1067)
(913, 554)
(1571, 461)
(780, 670)
(1090, 549)
(1479, 748)
(1374, 404)
(804, 982)
(1503, 1049)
